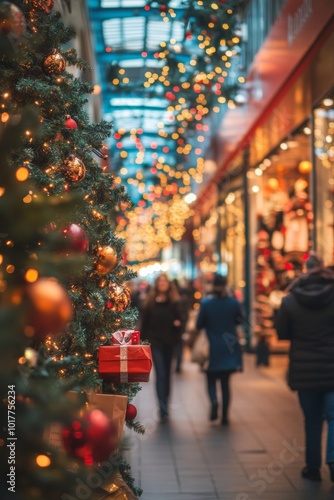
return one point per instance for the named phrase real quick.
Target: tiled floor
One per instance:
(259, 456)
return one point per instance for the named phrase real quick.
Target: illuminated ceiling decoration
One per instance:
(164, 66)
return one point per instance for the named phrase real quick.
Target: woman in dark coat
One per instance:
(219, 315)
(306, 317)
(161, 326)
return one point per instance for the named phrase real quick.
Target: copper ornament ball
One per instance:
(54, 64)
(74, 169)
(12, 20)
(119, 297)
(106, 260)
(49, 308)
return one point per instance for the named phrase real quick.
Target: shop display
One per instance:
(284, 224)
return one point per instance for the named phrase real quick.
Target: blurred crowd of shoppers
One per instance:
(305, 318)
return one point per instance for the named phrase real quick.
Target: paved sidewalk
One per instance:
(259, 456)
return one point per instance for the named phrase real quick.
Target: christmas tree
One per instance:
(57, 157)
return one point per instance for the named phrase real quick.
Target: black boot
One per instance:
(311, 474)
(214, 411)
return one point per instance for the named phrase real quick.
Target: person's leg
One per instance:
(212, 391)
(179, 356)
(312, 404)
(160, 371)
(168, 359)
(329, 415)
(225, 385)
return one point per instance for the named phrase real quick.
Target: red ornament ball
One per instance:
(49, 308)
(76, 238)
(131, 412)
(90, 439)
(70, 123)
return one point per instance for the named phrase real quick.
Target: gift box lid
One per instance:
(135, 352)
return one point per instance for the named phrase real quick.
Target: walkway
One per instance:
(259, 456)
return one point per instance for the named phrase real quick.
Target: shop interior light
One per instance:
(284, 146)
(258, 171)
(305, 167)
(190, 197)
(255, 189)
(230, 198)
(307, 130)
(328, 102)
(266, 162)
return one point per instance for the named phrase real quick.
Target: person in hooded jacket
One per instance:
(219, 315)
(306, 318)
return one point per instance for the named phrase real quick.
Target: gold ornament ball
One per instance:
(119, 297)
(74, 169)
(106, 260)
(49, 308)
(54, 64)
(12, 20)
(44, 5)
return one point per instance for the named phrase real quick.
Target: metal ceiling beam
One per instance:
(115, 107)
(118, 55)
(104, 14)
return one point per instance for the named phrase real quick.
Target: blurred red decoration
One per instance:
(49, 308)
(70, 123)
(44, 5)
(90, 439)
(12, 20)
(131, 412)
(76, 238)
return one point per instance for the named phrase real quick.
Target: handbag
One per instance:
(200, 350)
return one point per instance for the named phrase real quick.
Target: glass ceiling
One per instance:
(127, 37)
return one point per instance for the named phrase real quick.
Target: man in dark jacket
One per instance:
(306, 317)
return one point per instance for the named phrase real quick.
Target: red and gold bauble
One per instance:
(119, 298)
(90, 439)
(12, 20)
(54, 64)
(131, 412)
(49, 308)
(76, 238)
(74, 169)
(106, 260)
(44, 5)
(70, 123)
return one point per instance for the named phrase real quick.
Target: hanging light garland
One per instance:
(195, 79)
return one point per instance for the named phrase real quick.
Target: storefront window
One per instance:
(232, 236)
(281, 225)
(324, 179)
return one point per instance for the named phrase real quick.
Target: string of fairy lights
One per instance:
(196, 77)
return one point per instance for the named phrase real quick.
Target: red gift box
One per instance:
(125, 363)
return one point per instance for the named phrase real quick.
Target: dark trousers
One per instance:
(317, 406)
(162, 360)
(224, 377)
